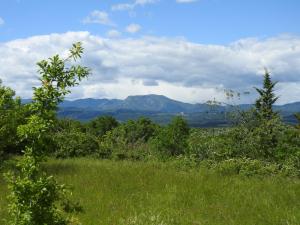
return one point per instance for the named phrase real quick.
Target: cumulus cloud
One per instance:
(100, 17)
(131, 6)
(175, 67)
(1, 21)
(133, 28)
(186, 1)
(113, 34)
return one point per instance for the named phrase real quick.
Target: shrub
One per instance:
(172, 140)
(101, 125)
(34, 195)
(208, 144)
(129, 140)
(75, 144)
(68, 125)
(251, 167)
(140, 130)
(12, 114)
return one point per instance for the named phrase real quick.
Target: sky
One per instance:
(188, 50)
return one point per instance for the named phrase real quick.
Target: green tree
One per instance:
(68, 125)
(172, 140)
(269, 124)
(75, 144)
(267, 98)
(34, 196)
(12, 114)
(101, 125)
(139, 130)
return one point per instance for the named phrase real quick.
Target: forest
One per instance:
(141, 172)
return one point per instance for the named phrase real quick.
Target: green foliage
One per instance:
(101, 125)
(34, 195)
(56, 80)
(172, 140)
(140, 130)
(264, 104)
(251, 167)
(208, 144)
(71, 139)
(68, 125)
(12, 114)
(128, 140)
(75, 144)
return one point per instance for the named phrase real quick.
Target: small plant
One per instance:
(34, 195)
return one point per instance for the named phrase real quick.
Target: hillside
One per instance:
(159, 108)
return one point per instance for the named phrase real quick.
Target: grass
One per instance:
(142, 193)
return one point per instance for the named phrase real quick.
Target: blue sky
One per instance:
(190, 50)
(203, 21)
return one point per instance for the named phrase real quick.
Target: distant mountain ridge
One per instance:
(157, 107)
(157, 103)
(148, 103)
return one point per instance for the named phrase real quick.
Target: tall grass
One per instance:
(154, 193)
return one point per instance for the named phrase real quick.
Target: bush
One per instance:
(75, 144)
(208, 144)
(101, 125)
(68, 125)
(36, 198)
(129, 140)
(172, 140)
(140, 130)
(12, 114)
(251, 167)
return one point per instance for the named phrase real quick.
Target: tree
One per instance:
(269, 124)
(172, 140)
(35, 196)
(12, 114)
(75, 144)
(264, 104)
(101, 125)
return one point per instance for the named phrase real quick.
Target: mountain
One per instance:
(147, 103)
(290, 107)
(158, 108)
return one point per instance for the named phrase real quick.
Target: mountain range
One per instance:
(159, 108)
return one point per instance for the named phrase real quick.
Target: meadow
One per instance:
(126, 192)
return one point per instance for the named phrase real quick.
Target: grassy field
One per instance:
(153, 193)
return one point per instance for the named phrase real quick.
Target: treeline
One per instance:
(258, 142)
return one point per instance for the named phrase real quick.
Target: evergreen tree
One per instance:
(264, 104)
(268, 123)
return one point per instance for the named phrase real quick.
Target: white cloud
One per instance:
(133, 28)
(173, 67)
(186, 1)
(113, 34)
(99, 17)
(1, 21)
(123, 6)
(131, 6)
